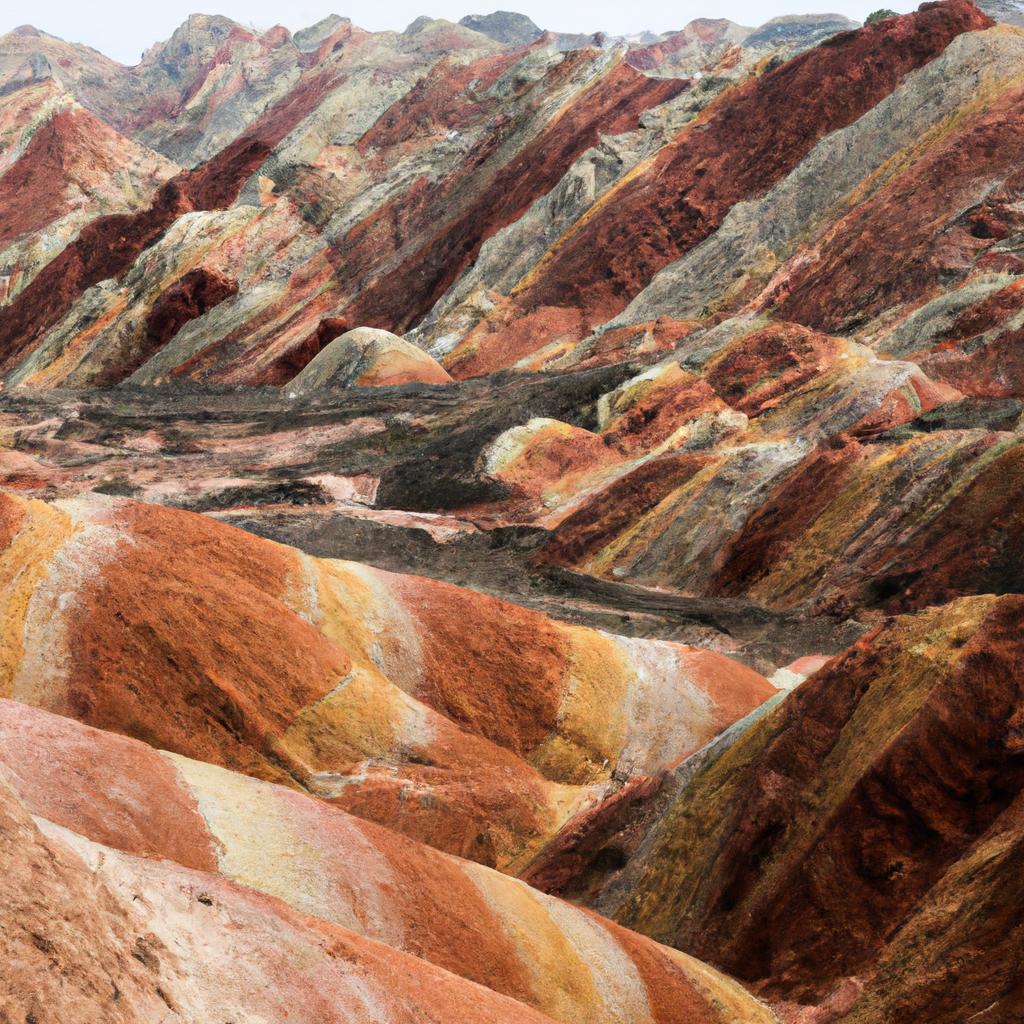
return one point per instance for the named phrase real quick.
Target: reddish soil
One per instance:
(102, 764)
(248, 669)
(31, 196)
(762, 369)
(497, 669)
(656, 416)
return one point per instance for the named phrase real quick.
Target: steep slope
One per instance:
(730, 268)
(61, 168)
(271, 336)
(827, 840)
(701, 45)
(66, 939)
(721, 160)
(470, 920)
(438, 230)
(597, 459)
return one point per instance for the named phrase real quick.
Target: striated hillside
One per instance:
(847, 844)
(500, 524)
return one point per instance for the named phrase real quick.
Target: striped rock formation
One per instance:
(450, 473)
(852, 848)
(721, 160)
(468, 723)
(355, 876)
(93, 934)
(437, 179)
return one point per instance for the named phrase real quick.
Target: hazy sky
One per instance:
(124, 28)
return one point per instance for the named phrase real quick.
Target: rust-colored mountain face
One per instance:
(503, 525)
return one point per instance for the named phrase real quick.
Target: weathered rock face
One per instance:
(699, 48)
(67, 941)
(805, 879)
(1003, 10)
(398, 169)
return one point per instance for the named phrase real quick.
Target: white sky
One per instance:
(124, 28)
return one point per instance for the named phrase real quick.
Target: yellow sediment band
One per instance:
(23, 566)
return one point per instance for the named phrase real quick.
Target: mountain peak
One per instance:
(311, 37)
(504, 27)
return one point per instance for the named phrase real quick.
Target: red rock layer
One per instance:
(987, 314)
(399, 298)
(765, 367)
(824, 828)
(922, 230)
(31, 192)
(445, 99)
(283, 369)
(619, 505)
(994, 369)
(468, 723)
(92, 934)
(250, 668)
(925, 561)
(189, 297)
(469, 653)
(235, 689)
(109, 245)
(746, 142)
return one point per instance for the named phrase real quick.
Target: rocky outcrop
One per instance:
(801, 30)
(1003, 10)
(107, 246)
(467, 196)
(504, 26)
